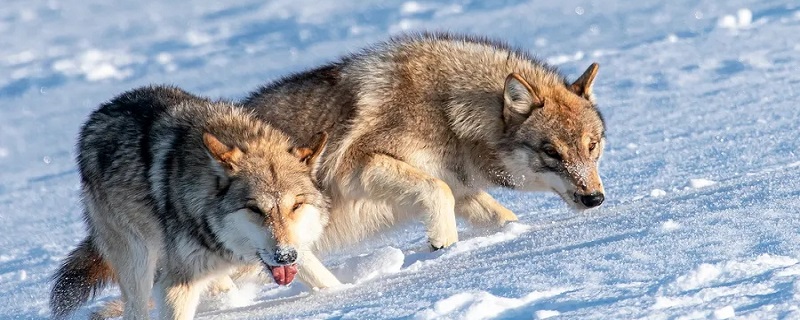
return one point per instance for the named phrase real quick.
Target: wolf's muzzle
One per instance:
(592, 200)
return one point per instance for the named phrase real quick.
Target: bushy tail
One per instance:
(80, 277)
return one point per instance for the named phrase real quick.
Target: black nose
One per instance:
(593, 199)
(285, 256)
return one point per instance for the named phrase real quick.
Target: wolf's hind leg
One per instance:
(314, 274)
(481, 209)
(414, 191)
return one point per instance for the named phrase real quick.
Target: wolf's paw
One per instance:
(220, 285)
(504, 216)
(443, 242)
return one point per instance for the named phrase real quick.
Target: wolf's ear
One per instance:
(519, 99)
(310, 156)
(583, 86)
(226, 155)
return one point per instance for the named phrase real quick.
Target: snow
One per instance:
(367, 266)
(701, 183)
(670, 225)
(742, 19)
(479, 305)
(700, 169)
(726, 312)
(655, 193)
(544, 314)
(703, 274)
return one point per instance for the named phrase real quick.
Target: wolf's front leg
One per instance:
(177, 300)
(134, 262)
(314, 274)
(220, 285)
(412, 190)
(481, 209)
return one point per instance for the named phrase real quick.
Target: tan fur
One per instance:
(583, 85)
(421, 126)
(224, 154)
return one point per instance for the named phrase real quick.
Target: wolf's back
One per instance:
(432, 69)
(119, 131)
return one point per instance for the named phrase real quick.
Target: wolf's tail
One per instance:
(80, 277)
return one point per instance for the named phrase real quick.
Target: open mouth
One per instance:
(282, 274)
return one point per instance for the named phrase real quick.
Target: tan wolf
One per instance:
(178, 191)
(420, 126)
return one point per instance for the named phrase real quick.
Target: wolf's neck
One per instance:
(487, 165)
(476, 117)
(477, 123)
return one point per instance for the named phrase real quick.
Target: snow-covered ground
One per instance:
(702, 168)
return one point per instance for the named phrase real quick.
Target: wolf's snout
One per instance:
(592, 200)
(284, 256)
(286, 269)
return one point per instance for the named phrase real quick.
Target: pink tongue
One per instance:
(283, 275)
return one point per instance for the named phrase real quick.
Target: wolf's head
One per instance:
(271, 208)
(554, 138)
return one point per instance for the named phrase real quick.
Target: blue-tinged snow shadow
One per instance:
(18, 87)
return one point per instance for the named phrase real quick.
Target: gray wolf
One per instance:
(179, 191)
(420, 126)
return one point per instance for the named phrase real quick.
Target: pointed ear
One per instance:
(519, 99)
(583, 86)
(311, 156)
(226, 155)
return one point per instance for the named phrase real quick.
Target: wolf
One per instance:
(422, 125)
(178, 191)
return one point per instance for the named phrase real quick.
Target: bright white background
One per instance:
(702, 169)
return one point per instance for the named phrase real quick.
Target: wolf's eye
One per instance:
(255, 209)
(592, 146)
(551, 152)
(297, 206)
(529, 146)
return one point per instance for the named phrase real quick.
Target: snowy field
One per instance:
(702, 168)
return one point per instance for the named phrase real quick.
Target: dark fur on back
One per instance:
(134, 114)
(139, 108)
(85, 273)
(170, 181)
